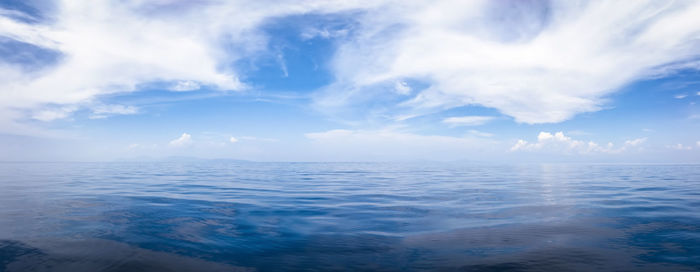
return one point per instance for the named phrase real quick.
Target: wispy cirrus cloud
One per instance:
(467, 120)
(104, 111)
(108, 47)
(537, 61)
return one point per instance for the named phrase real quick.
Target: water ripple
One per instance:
(348, 216)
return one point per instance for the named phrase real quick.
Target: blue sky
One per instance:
(551, 81)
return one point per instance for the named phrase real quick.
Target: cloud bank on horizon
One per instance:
(534, 62)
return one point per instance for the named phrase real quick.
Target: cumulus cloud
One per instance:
(184, 140)
(467, 120)
(537, 61)
(558, 142)
(232, 139)
(680, 147)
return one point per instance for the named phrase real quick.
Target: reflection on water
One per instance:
(220, 216)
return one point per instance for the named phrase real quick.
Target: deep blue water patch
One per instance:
(243, 216)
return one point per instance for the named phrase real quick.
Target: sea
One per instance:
(427, 216)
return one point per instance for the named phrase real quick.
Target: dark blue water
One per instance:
(224, 216)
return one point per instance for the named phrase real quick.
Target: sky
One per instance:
(381, 80)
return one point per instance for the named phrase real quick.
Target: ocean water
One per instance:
(237, 216)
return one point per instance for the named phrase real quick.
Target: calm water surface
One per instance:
(225, 216)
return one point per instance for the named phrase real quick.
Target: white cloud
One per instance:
(680, 147)
(404, 117)
(103, 111)
(467, 120)
(283, 65)
(185, 86)
(558, 142)
(233, 139)
(325, 33)
(402, 88)
(184, 140)
(48, 115)
(546, 63)
(635, 142)
(697, 143)
(114, 46)
(680, 96)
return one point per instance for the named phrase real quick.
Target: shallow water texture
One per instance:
(236, 216)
